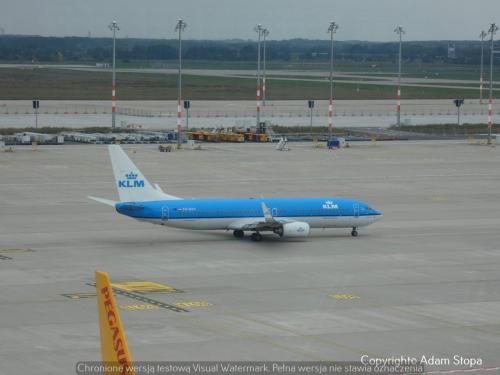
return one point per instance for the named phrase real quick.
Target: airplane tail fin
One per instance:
(130, 182)
(114, 347)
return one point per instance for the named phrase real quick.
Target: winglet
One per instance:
(267, 214)
(114, 347)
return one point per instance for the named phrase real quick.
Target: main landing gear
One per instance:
(256, 236)
(354, 232)
(239, 233)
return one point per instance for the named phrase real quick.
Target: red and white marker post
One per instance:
(490, 114)
(399, 102)
(113, 99)
(330, 116)
(179, 117)
(258, 101)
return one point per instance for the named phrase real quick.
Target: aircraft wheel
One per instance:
(238, 233)
(256, 237)
(354, 232)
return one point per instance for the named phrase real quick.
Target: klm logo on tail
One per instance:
(131, 181)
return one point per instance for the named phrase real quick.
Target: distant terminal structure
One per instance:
(30, 137)
(136, 136)
(27, 138)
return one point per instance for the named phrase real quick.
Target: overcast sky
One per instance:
(372, 20)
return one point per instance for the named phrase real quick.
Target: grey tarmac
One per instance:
(425, 280)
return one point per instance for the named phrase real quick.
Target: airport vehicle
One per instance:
(114, 348)
(286, 217)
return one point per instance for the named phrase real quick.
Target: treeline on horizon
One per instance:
(85, 49)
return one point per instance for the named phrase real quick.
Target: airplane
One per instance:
(116, 358)
(286, 217)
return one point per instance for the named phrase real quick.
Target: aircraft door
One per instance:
(274, 212)
(164, 214)
(355, 207)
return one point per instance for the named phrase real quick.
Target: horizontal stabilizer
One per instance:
(105, 201)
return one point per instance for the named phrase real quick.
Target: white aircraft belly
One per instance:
(237, 223)
(338, 221)
(194, 224)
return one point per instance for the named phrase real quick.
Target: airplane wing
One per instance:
(262, 226)
(266, 223)
(267, 214)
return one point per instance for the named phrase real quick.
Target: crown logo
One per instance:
(131, 176)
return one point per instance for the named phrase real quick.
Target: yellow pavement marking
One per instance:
(343, 296)
(79, 295)
(139, 295)
(145, 287)
(139, 307)
(438, 198)
(186, 304)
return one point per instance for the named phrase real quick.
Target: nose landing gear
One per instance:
(354, 232)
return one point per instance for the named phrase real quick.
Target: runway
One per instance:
(424, 281)
(375, 77)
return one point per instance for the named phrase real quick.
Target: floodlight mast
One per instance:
(481, 78)
(332, 29)
(259, 30)
(265, 33)
(400, 31)
(492, 31)
(180, 27)
(113, 26)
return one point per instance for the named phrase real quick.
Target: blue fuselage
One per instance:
(229, 213)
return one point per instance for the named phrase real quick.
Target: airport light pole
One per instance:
(187, 105)
(265, 33)
(492, 31)
(259, 30)
(458, 103)
(180, 27)
(332, 29)
(399, 30)
(36, 105)
(113, 26)
(311, 108)
(481, 78)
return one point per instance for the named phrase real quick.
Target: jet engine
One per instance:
(294, 229)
